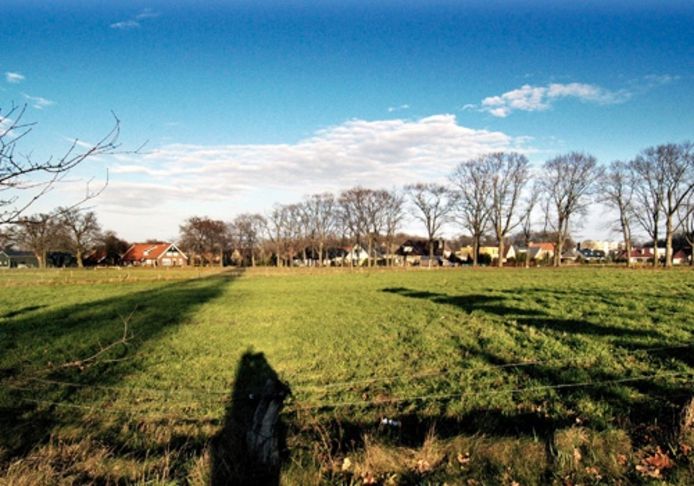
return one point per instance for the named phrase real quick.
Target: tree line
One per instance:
(495, 194)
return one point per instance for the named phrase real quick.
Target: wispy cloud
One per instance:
(135, 22)
(147, 13)
(541, 98)
(357, 152)
(392, 109)
(657, 80)
(126, 25)
(14, 78)
(38, 102)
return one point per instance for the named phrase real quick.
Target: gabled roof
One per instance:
(147, 251)
(544, 245)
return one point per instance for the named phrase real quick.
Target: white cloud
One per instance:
(147, 13)
(392, 109)
(540, 98)
(126, 25)
(14, 78)
(381, 153)
(38, 102)
(135, 21)
(656, 80)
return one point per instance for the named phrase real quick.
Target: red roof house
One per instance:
(155, 255)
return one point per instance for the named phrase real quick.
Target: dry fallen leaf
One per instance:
(622, 459)
(463, 459)
(577, 455)
(423, 466)
(659, 460)
(346, 464)
(368, 478)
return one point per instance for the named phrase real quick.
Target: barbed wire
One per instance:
(330, 386)
(100, 409)
(446, 396)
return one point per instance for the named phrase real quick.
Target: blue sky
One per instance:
(248, 103)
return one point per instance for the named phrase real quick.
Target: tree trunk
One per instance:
(668, 241)
(369, 254)
(320, 253)
(558, 249)
(431, 251)
(626, 234)
(40, 260)
(655, 247)
(80, 263)
(475, 249)
(500, 262)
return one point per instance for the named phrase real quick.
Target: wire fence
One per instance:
(217, 397)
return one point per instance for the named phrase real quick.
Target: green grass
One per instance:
(534, 376)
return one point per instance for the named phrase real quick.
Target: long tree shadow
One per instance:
(499, 306)
(36, 388)
(622, 396)
(252, 443)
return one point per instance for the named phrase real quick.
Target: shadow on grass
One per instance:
(629, 403)
(33, 347)
(499, 306)
(252, 443)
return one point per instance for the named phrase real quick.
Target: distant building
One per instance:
(607, 247)
(17, 259)
(154, 255)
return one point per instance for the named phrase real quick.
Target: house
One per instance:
(538, 251)
(680, 258)
(95, 258)
(572, 256)
(638, 255)
(604, 246)
(416, 252)
(154, 255)
(590, 255)
(18, 259)
(510, 253)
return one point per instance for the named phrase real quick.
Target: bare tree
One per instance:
(113, 247)
(82, 230)
(24, 180)
(526, 219)
(473, 193)
(677, 164)
(434, 203)
(320, 209)
(617, 191)
(248, 230)
(567, 183)
(298, 231)
(205, 238)
(38, 233)
(686, 222)
(649, 183)
(277, 230)
(392, 207)
(375, 220)
(508, 175)
(354, 214)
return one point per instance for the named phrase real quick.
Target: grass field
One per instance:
(489, 376)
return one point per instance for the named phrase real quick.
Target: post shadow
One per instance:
(252, 443)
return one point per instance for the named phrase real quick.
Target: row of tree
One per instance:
(495, 194)
(69, 230)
